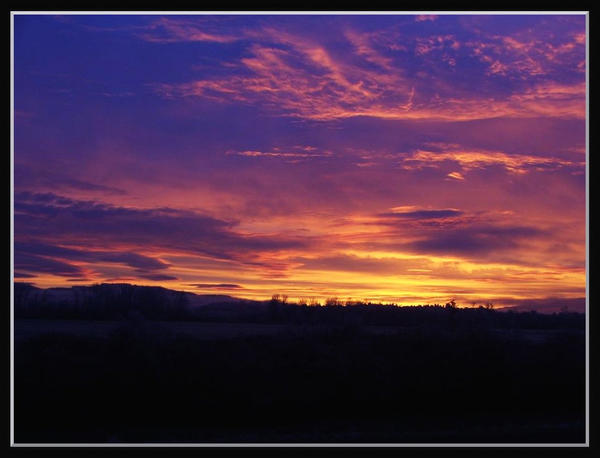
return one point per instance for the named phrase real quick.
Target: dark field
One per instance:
(140, 380)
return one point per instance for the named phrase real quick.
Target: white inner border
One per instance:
(283, 13)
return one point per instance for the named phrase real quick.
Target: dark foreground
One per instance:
(144, 381)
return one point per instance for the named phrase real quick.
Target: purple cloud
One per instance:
(422, 214)
(216, 285)
(474, 240)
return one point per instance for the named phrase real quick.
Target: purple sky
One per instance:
(408, 159)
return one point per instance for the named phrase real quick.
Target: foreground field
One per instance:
(144, 381)
(25, 329)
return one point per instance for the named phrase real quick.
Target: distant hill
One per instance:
(548, 305)
(76, 294)
(120, 301)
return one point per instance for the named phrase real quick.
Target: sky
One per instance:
(408, 159)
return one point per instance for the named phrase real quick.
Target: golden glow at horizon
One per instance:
(437, 283)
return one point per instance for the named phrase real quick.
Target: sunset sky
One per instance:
(396, 158)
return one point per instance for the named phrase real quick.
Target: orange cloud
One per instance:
(282, 154)
(456, 176)
(469, 160)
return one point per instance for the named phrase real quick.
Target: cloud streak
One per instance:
(306, 79)
(469, 160)
(47, 218)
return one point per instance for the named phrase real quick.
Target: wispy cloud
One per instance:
(216, 285)
(411, 213)
(290, 156)
(304, 78)
(469, 160)
(169, 30)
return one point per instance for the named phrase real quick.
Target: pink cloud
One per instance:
(456, 176)
(471, 159)
(167, 30)
(426, 17)
(306, 80)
